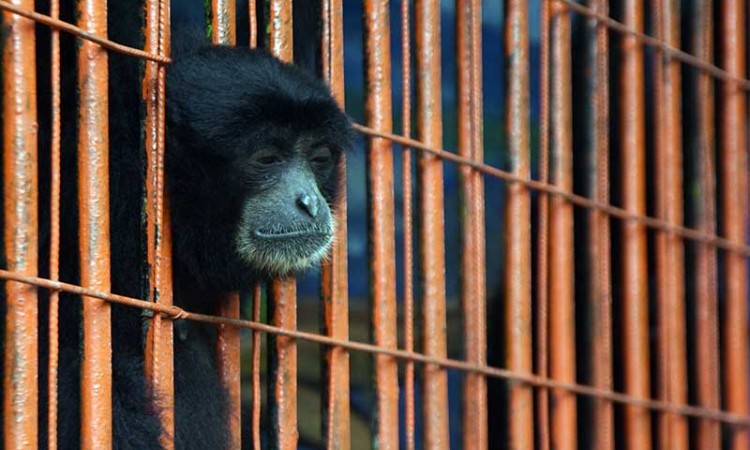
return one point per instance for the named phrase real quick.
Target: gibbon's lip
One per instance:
(268, 234)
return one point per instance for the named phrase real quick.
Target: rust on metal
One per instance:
(562, 306)
(734, 206)
(599, 248)
(672, 358)
(408, 233)
(634, 304)
(253, 24)
(283, 292)
(93, 192)
(20, 231)
(257, 298)
(431, 224)
(473, 282)
(223, 21)
(283, 303)
(159, 361)
(381, 226)
(54, 242)
(517, 226)
(334, 272)
(542, 305)
(708, 433)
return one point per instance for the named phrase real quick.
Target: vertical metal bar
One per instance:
(252, 8)
(408, 214)
(562, 307)
(93, 191)
(707, 321)
(159, 339)
(542, 325)
(672, 367)
(20, 229)
(334, 274)
(223, 19)
(54, 243)
(599, 252)
(257, 298)
(381, 220)
(518, 224)
(283, 292)
(473, 295)
(431, 224)
(734, 205)
(634, 309)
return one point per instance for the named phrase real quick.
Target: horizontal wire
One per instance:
(667, 49)
(81, 33)
(578, 200)
(175, 312)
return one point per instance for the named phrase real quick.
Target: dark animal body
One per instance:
(252, 147)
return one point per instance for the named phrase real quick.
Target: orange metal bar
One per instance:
(93, 191)
(283, 293)
(282, 301)
(159, 360)
(599, 251)
(257, 298)
(518, 224)
(562, 307)
(734, 205)
(708, 433)
(228, 338)
(252, 8)
(54, 245)
(20, 390)
(473, 293)
(542, 306)
(672, 366)
(634, 306)
(408, 214)
(223, 20)
(382, 232)
(431, 226)
(334, 274)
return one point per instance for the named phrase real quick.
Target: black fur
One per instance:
(223, 105)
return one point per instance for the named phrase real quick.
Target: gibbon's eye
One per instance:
(321, 156)
(268, 157)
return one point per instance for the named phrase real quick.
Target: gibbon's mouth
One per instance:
(283, 234)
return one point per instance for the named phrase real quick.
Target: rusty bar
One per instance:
(381, 221)
(21, 230)
(431, 223)
(634, 303)
(223, 19)
(473, 295)
(517, 237)
(562, 306)
(283, 293)
(159, 362)
(542, 316)
(408, 214)
(734, 206)
(672, 357)
(334, 274)
(93, 192)
(599, 249)
(708, 433)
(283, 352)
(252, 8)
(54, 243)
(228, 338)
(257, 299)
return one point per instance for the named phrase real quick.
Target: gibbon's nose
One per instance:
(308, 203)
